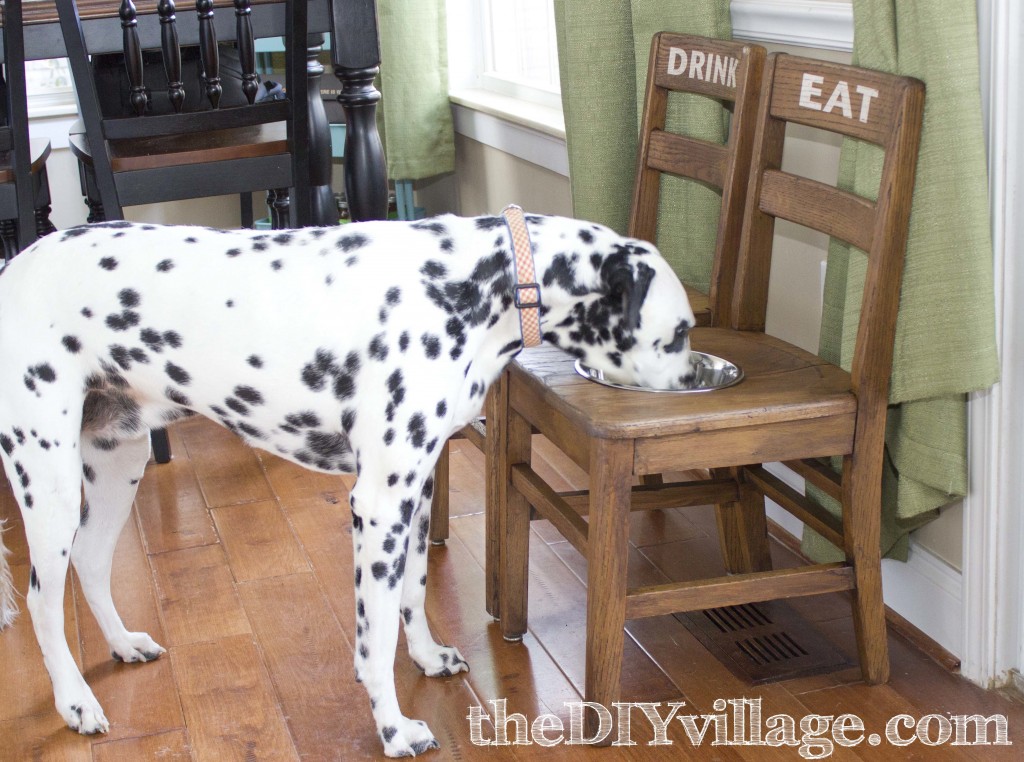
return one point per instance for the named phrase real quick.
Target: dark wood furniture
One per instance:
(355, 54)
(791, 406)
(140, 158)
(660, 153)
(24, 189)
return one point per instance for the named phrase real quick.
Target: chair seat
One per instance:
(194, 148)
(784, 388)
(39, 150)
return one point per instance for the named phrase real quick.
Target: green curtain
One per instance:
(945, 333)
(603, 47)
(417, 122)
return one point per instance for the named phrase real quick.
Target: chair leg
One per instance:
(514, 533)
(161, 445)
(439, 502)
(743, 531)
(496, 491)
(611, 468)
(862, 526)
(279, 201)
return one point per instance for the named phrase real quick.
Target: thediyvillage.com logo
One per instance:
(734, 722)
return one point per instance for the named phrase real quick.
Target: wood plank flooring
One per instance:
(240, 565)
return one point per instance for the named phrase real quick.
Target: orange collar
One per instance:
(526, 293)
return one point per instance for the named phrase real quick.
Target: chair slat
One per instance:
(818, 206)
(200, 121)
(688, 157)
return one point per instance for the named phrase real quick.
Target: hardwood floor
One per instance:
(240, 565)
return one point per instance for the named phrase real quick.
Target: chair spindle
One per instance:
(246, 48)
(208, 52)
(171, 54)
(133, 55)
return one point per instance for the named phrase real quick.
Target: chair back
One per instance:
(157, 28)
(722, 70)
(882, 109)
(16, 193)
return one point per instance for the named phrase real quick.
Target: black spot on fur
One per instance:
(442, 409)
(431, 345)
(108, 263)
(129, 298)
(352, 242)
(165, 266)
(84, 515)
(33, 579)
(6, 443)
(403, 341)
(255, 361)
(378, 348)
(178, 374)
(248, 394)
(72, 344)
(379, 570)
(393, 296)
(489, 223)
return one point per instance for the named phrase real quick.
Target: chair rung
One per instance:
(674, 495)
(551, 506)
(475, 433)
(732, 590)
(816, 517)
(819, 474)
(687, 157)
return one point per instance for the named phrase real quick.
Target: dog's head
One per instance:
(615, 303)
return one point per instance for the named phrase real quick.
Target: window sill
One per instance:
(525, 130)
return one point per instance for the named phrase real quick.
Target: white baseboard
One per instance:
(926, 591)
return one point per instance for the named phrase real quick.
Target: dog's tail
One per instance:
(8, 604)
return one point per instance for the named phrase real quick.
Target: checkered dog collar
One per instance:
(526, 293)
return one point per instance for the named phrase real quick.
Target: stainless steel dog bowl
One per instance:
(711, 373)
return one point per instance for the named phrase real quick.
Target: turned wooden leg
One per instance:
(610, 472)
(278, 200)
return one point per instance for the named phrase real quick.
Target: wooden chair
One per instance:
(736, 85)
(24, 189)
(141, 159)
(791, 406)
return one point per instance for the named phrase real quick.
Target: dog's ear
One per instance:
(630, 278)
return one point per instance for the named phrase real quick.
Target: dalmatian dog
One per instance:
(355, 349)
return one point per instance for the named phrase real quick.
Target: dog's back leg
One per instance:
(434, 659)
(112, 470)
(50, 474)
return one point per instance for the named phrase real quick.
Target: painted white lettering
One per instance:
(809, 91)
(721, 64)
(676, 61)
(731, 80)
(697, 59)
(841, 97)
(866, 93)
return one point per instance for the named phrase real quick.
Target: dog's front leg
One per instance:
(380, 537)
(434, 659)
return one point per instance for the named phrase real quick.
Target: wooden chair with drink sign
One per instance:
(723, 71)
(790, 406)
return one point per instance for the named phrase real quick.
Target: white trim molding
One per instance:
(993, 610)
(807, 23)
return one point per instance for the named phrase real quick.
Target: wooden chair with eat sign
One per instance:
(728, 73)
(791, 406)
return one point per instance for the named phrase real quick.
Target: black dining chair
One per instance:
(145, 156)
(24, 190)
(151, 155)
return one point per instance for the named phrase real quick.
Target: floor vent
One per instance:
(764, 642)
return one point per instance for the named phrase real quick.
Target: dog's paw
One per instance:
(408, 738)
(136, 647)
(440, 661)
(86, 717)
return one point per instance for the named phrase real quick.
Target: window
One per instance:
(505, 47)
(521, 53)
(49, 87)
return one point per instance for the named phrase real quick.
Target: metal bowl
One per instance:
(711, 373)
